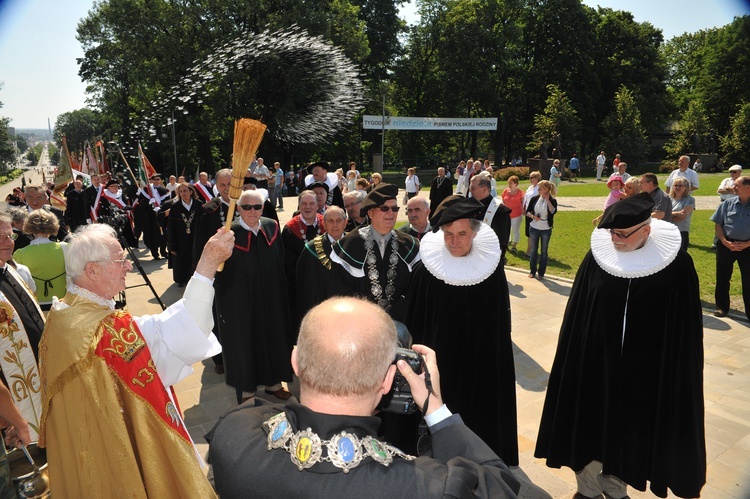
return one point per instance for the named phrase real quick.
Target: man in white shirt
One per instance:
(683, 171)
(600, 160)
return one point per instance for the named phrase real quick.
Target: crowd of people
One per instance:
(302, 289)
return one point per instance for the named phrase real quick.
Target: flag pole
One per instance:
(135, 181)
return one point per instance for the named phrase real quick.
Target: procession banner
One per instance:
(372, 122)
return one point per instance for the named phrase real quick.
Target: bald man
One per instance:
(328, 440)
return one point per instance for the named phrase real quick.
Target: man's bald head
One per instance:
(345, 346)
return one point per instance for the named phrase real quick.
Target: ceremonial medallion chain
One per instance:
(374, 275)
(223, 216)
(344, 450)
(303, 230)
(189, 221)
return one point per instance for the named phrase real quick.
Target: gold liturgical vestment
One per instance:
(108, 423)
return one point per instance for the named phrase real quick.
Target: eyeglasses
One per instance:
(625, 236)
(123, 262)
(385, 209)
(12, 236)
(248, 207)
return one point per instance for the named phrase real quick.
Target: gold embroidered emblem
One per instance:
(125, 341)
(318, 243)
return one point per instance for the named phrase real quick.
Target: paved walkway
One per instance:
(537, 312)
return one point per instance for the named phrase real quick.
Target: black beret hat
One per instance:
(322, 164)
(250, 180)
(628, 212)
(318, 184)
(155, 176)
(112, 182)
(378, 196)
(454, 208)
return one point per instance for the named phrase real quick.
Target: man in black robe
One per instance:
(374, 261)
(75, 212)
(302, 228)
(314, 277)
(495, 213)
(624, 401)
(440, 188)
(181, 224)
(345, 365)
(150, 199)
(91, 196)
(478, 373)
(251, 301)
(211, 217)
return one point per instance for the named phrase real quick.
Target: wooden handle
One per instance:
(228, 224)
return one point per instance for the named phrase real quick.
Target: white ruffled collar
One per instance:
(468, 270)
(90, 296)
(659, 251)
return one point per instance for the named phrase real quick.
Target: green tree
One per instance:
(628, 53)
(711, 67)
(78, 126)
(736, 143)
(689, 134)
(7, 151)
(133, 50)
(557, 126)
(623, 131)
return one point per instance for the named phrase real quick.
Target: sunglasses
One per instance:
(385, 209)
(248, 207)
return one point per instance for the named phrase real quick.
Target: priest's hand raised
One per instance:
(417, 381)
(216, 251)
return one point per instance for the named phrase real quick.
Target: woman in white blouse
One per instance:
(541, 212)
(412, 183)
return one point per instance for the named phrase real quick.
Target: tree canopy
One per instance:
(464, 58)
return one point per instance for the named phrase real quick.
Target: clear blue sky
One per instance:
(38, 49)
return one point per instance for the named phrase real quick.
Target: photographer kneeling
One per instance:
(326, 444)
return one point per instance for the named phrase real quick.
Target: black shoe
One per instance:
(720, 313)
(155, 257)
(219, 368)
(578, 495)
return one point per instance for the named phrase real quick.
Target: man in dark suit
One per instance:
(91, 195)
(75, 213)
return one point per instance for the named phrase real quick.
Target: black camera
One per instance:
(399, 399)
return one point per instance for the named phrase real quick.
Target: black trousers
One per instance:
(725, 259)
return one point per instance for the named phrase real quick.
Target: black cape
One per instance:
(500, 222)
(180, 237)
(459, 464)
(351, 250)
(294, 246)
(209, 221)
(251, 302)
(475, 352)
(638, 406)
(314, 276)
(439, 190)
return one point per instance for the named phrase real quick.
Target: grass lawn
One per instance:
(570, 242)
(589, 187)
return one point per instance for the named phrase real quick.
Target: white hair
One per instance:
(250, 193)
(88, 244)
